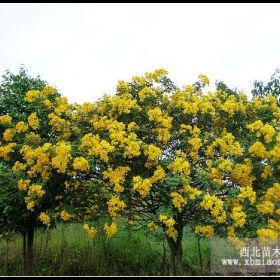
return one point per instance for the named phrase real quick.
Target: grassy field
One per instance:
(66, 250)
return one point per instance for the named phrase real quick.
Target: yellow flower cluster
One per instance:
(162, 119)
(258, 150)
(247, 192)
(273, 193)
(115, 206)
(32, 95)
(242, 174)
(8, 135)
(204, 230)
(110, 230)
(81, 164)
(33, 138)
(215, 205)
(204, 79)
(48, 90)
(226, 144)
(195, 144)
(18, 166)
(34, 192)
(169, 224)
(65, 216)
(195, 131)
(132, 146)
(266, 207)
(193, 193)
(265, 233)
(225, 165)
(146, 92)
(44, 218)
(152, 152)
(116, 177)
(180, 164)
(157, 75)
(142, 186)
(267, 172)
(23, 184)
(21, 127)
(47, 103)
(158, 175)
(62, 156)
(90, 231)
(238, 216)
(266, 130)
(5, 119)
(95, 147)
(231, 106)
(33, 121)
(178, 200)
(62, 106)
(5, 151)
(39, 159)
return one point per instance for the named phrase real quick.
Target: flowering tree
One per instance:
(154, 154)
(172, 157)
(35, 158)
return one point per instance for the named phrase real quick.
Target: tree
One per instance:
(173, 157)
(29, 188)
(272, 87)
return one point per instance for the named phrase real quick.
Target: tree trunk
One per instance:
(200, 255)
(30, 241)
(23, 253)
(176, 252)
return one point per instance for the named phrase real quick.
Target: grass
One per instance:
(66, 250)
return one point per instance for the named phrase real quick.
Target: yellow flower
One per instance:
(258, 150)
(180, 164)
(21, 127)
(18, 166)
(267, 233)
(215, 205)
(23, 184)
(5, 119)
(266, 207)
(192, 192)
(204, 79)
(81, 164)
(238, 216)
(115, 206)
(90, 231)
(204, 230)
(116, 176)
(63, 156)
(110, 230)
(33, 121)
(142, 186)
(158, 175)
(247, 192)
(5, 151)
(65, 216)
(8, 135)
(48, 90)
(44, 218)
(178, 200)
(32, 95)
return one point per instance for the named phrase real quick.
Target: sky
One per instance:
(84, 49)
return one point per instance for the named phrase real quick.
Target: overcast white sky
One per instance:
(84, 49)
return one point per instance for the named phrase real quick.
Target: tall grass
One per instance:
(66, 250)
